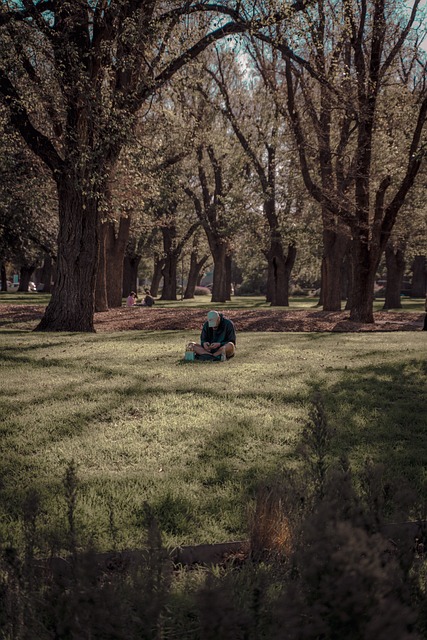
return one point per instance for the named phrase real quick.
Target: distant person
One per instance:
(217, 340)
(131, 299)
(148, 300)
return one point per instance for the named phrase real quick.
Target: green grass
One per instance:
(236, 302)
(193, 440)
(24, 298)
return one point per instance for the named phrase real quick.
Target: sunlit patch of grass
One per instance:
(193, 440)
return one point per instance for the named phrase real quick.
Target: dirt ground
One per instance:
(136, 318)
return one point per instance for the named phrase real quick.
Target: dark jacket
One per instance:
(223, 333)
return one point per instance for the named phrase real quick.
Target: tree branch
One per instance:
(398, 45)
(230, 28)
(37, 141)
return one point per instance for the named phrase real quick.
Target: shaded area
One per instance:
(299, 320)
(390, 426)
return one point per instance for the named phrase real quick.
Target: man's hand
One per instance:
(215, 345)
(206, 346)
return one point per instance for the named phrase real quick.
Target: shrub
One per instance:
(296, 290)
(202, 291)
(254, 286)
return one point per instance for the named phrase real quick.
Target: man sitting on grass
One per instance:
(217, 340)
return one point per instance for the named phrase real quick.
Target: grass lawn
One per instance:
(193, 440)
(202, 302)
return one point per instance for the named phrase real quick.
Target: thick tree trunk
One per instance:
(157, 274)
(115, 252)
(364, 269)
(279, 272)
(25, 276)
(270, 281)
(72, 304)
(219, 292)
(347, 278)
(3, 277)
(419, 277)
(130, 274)
(228, 276)
(194, 274)
(169, 273)
(46, 274)
(395, 263)
(170, 267)
(334, 249)
(101, 300)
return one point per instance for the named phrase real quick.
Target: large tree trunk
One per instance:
(130, 274)
(219, 292)
(362, 295)
(419, 277)
(279, 265)
(3, 277)
(157, 274)
(194, 274)
(72, 304)
(228, 276)
(395, 263)
(46, 273)
(25, 276)
(334, 250)
(101, 299)
(269, 295)
(115, 252)
(279, 272)
(347, 278)
(169, 272)
(170, 267)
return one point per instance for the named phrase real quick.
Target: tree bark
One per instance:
(130, 274)
(419, 277)
(170, 267)
(115, 251)
(169, 273)
(219, 289)
(157, 274)
(46, 273)
(72, 304)
(3, 277)
(228, 276)
(101, 300)
(363, 277)
(334, 249)
(25, 276)
(395, 263)
(279, 272)
(194, 274)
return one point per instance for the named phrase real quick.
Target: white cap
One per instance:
(213, 317)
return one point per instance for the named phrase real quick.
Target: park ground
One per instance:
(248, 314)
(196, 440)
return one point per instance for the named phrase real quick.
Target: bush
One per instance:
(202, 291)
(255, 285)
(296, 290)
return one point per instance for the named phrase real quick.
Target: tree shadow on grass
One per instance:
(380, 412)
